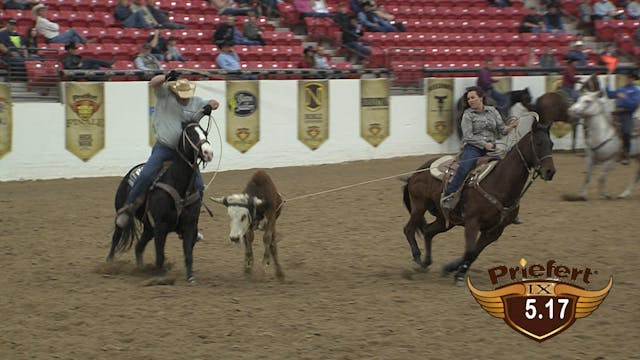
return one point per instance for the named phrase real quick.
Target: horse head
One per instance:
(592, 84)
(539, 155)
(194, 143)
(241, 209)
(588, 105)
(523, 97)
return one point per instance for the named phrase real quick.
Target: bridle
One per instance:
(196, 147)
(537, 163)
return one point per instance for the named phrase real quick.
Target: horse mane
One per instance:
(592, 84)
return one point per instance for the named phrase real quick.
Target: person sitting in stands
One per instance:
(548, 59)
(72, 61)
(307, 9)
(145, 60)
(30, 44)
(251, 30)
(605, 10)
(10, 48)
(153, 15)
(130, 18)
(532, 22)
(372, 22)
(633, 10)
(350, 39)
(577, 53)
(173, 53)
(228, 59)
(20, 4)
(228, 7)
(227, 32)
(553, 20)
(341, 17)
(51, 30)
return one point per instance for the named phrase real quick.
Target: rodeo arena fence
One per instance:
(97, 123)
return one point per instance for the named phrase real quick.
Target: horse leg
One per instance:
(271, 246)
(160, 237)
(588, 168)
(485, 239)
(602, 179)
(438, 226)
(471, 230)
(248, 252)
(632, 183)
(147, 234)
(188, 241)
(416, 219)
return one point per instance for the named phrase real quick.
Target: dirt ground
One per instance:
(349, 291)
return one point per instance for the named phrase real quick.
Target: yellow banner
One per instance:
(313, 112)
(152, 110)
(6, 119)
(439, 108)
(558, 128)
(374, 110)
(84, 109)
(243, 114)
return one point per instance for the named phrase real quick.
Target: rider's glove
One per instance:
(172, 76)
(206, 110)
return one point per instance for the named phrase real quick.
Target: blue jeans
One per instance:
(136, 20)
(468, 159)
(68, 36)
(626, 125)
(159, 154)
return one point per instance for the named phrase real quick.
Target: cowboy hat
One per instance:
(183, 88)
(37, 8)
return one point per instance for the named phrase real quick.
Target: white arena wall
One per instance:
(38, 149)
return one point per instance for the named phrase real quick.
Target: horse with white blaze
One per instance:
(256, 208)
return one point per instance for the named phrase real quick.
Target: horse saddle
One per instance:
(135, 172)
(444, 168)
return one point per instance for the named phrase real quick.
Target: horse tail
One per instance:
(123, 238)
(405, 197)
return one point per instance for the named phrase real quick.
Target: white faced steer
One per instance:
(257, 208)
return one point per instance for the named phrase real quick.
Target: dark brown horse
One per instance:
(484, 210)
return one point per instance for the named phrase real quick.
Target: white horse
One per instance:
(603, 142)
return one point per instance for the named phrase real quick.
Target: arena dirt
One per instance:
(349, 291)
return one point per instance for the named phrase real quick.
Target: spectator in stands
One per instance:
(154, 15)
(228, 59)
(577, 53)
(228, 7)
(30, 44)
(173, 53)
(627, 101)
(312, 59)
(306, 9)
(485, 82)
(319, 7)
(10, 47)
(251, 30)
(228, 33)
(382, 12)
(569, 80)
(532, 22)
(51, 30)
(605, 10)
(350, 39)
(633, 10)
(553, 20)
(341, 18)
(585, 14)
(72, 61)
(158, 45)
(20, 4)
(548, 59)
(372, 22)
(130, 18)
(145, 60)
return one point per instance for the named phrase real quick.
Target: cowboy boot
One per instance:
(124, 215)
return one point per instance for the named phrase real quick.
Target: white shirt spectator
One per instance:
(604, 9)
(47, 28)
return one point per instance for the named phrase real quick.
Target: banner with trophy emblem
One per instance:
(313, 112)
(152, 110)
(6, 119)
(374, 110)
(243, 114)
(439, 108)
(558, 129)
(84, 114)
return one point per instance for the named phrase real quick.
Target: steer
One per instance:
(257, 208)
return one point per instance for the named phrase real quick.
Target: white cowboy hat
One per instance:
(183, 88)
(37, 8)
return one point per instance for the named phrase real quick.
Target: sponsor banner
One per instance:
(439, 108)
(243, 114)
(84, 114)
(374, 110)
(558, 129)
(313, 112)
(6, 119)
(152, 110)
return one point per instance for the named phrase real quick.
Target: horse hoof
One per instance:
(417, 267)
(460, 281)
(191, 280)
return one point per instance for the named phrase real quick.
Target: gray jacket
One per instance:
(482, 127)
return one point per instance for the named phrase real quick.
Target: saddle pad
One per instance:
(133, 174)
(442, 165)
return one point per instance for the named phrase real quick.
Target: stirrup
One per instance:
(124, 215)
